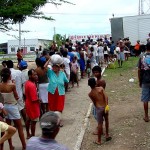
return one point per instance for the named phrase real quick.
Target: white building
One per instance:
(27, 45)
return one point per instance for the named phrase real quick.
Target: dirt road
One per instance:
(127, 127)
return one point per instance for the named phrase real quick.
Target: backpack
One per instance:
(145, 72)
(146, 60)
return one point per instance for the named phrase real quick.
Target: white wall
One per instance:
(25, 43)
(137, 28)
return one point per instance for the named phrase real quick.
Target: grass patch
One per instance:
(128, 66)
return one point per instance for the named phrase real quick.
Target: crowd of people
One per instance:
(33, 93)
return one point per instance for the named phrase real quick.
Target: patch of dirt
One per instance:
(127, 127)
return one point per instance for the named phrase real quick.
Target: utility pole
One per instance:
(54, 38)
(19, 35)
(144, 7)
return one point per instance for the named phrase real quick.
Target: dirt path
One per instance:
(127, 128)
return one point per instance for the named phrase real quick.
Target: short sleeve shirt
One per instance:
(44, 144)
(3, 127)
(32, 104)
(56, 81)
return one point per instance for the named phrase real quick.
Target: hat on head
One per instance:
(23, 64)
(43, 59)
(50, 121)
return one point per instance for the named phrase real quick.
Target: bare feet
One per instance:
(146, 119)
(29, 136)
(97, 142)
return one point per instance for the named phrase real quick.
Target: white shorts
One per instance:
(13, 111)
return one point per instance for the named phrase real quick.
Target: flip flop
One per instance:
(96, 142)
(146, 119)
(108, 138)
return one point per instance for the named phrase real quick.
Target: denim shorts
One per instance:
(145, 93)
(13, 111)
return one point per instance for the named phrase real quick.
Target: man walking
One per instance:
(144, 79)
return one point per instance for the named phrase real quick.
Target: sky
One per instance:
(83, 18)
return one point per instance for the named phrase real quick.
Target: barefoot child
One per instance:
(99, 82)
(99, 98)
(74, 71)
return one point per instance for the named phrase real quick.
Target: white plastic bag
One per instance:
(56, 59)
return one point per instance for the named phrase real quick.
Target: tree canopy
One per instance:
(15, 11)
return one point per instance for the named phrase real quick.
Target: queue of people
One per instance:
(39, 93)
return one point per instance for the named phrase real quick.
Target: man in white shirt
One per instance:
(16, 77)
(66, 62)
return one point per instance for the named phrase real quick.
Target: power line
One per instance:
(85, 14)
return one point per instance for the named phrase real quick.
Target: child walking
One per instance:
(100, 101)
(74, 71)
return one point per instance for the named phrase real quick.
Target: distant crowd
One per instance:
(37, 93)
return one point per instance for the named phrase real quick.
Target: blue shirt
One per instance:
(56, 81)
(39, 143)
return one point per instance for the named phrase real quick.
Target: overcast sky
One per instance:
(86, 17)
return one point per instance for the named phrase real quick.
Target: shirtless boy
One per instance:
(100, 101)
(99, 82)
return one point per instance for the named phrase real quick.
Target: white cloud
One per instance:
(86, 17)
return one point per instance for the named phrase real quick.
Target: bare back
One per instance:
(8, 88)
(98, 96)
(101, 83)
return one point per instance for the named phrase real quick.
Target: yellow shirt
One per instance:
(3, 127)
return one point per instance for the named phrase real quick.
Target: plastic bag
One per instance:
(56, 59)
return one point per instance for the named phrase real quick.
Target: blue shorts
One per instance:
(145, 94)
(13, 111)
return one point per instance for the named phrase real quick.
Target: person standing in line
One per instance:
(32, 103)
(42, 83)
(10, 96)
(24, 74)
(74, 72)
(100, 54)
(4, 64)
(100, 101)
(50, 126)
(137, 48)
(144, 80)
(56, 88)
(67, 64)
(121, 56)
(8, 131)
(16, 77)
(19, 57)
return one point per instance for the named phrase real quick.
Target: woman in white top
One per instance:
(10, 96)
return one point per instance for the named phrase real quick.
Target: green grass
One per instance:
(127, 66)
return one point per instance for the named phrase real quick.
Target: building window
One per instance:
(32, 48)
(12, 49)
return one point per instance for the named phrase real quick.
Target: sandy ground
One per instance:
(127, 127)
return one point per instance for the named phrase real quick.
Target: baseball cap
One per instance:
(23, 64)
(50, 121)
(43, 59)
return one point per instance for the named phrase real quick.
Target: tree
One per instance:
(58, 38)
(15, 11)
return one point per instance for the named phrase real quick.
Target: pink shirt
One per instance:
(74, 67)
